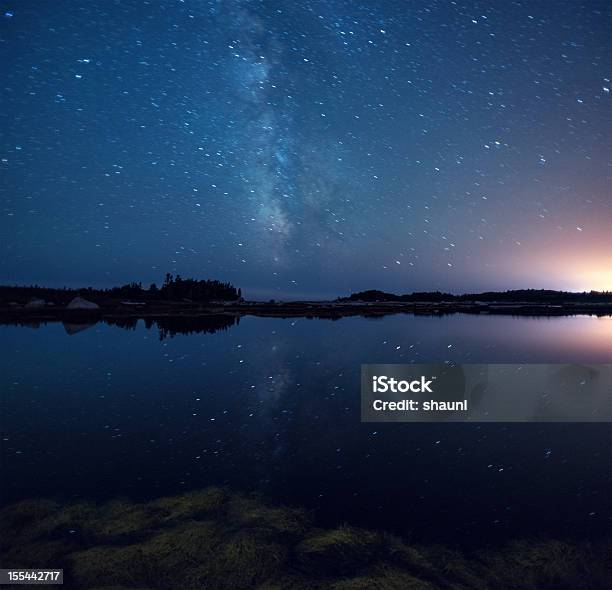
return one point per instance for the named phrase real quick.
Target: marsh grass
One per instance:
(217, 540)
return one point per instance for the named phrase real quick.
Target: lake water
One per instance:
(273, 406)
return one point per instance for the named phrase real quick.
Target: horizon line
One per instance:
(270, 293)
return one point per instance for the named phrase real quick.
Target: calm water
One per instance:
(272, 406)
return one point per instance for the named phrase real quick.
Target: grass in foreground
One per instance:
(213, 539)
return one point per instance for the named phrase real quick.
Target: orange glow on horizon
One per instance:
(565, 266)
(595, 277)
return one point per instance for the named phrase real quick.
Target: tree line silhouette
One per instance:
(174, 288)
(513, 296)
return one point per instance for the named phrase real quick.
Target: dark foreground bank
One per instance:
(220, 540)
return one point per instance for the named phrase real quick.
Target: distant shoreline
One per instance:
(185, 298)
(295, 309)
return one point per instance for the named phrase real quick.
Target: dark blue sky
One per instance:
(308, 148)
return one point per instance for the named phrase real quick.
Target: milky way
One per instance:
(308, 148)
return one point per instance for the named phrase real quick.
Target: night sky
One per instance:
(307, 149)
